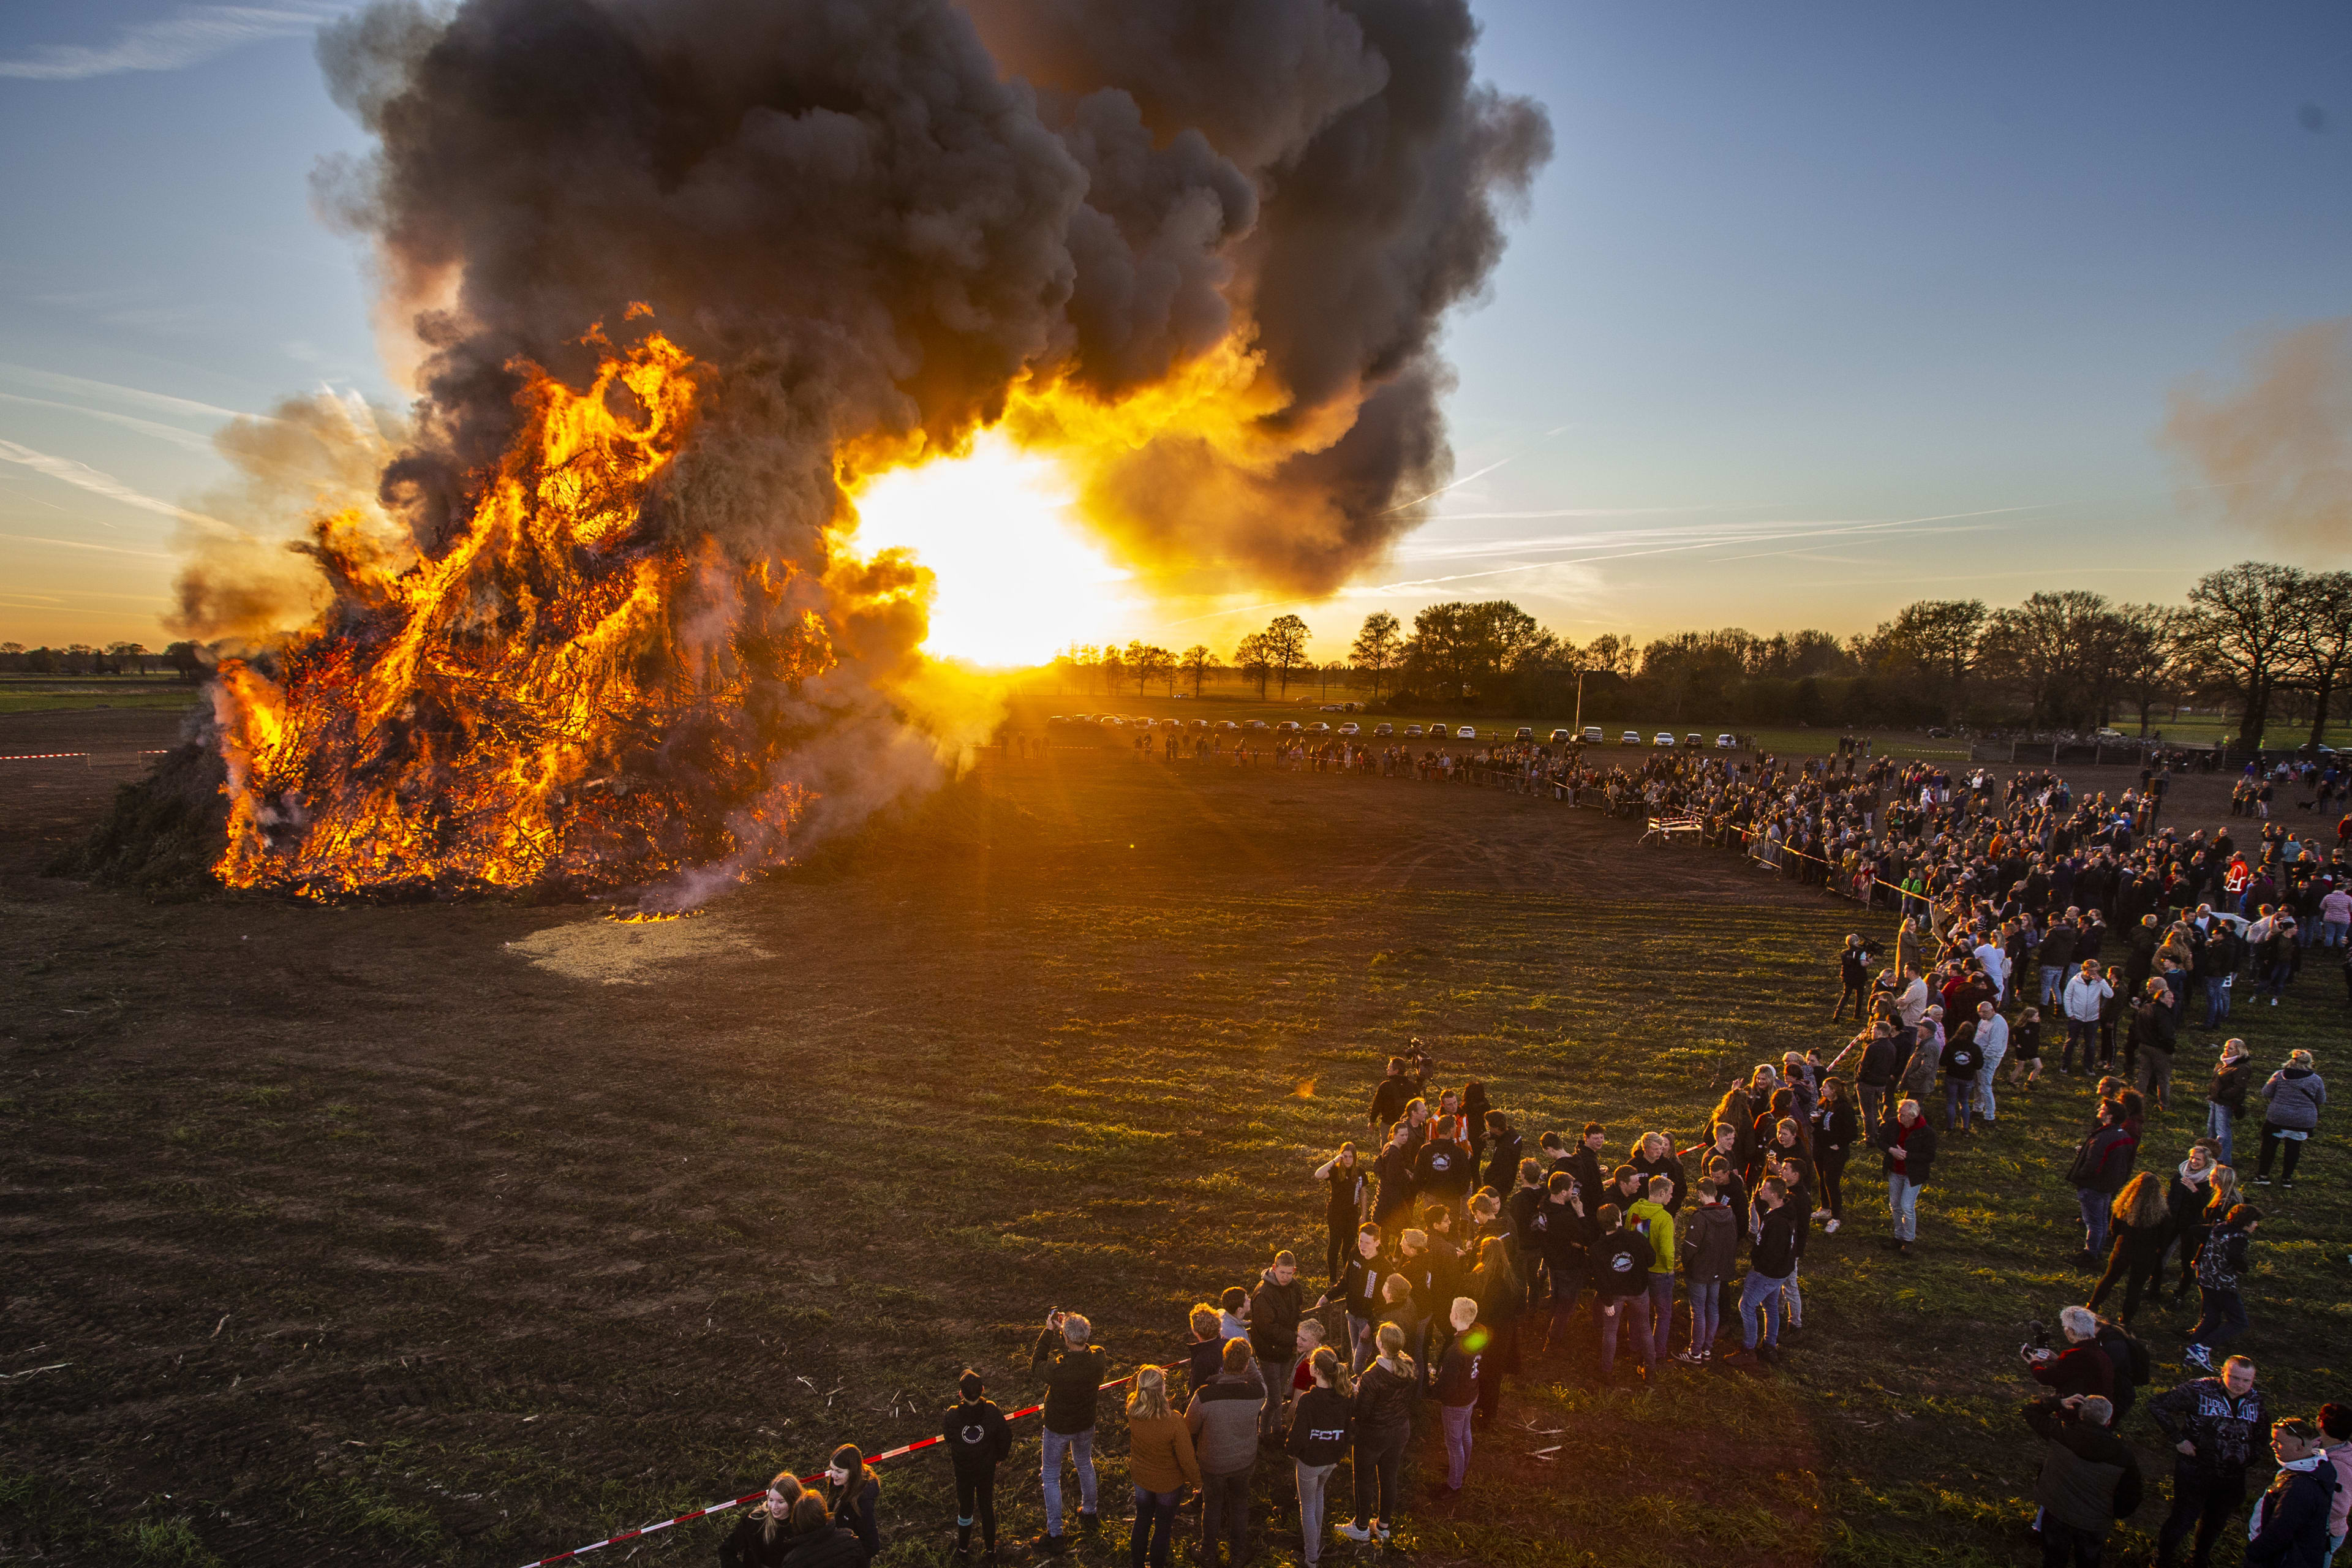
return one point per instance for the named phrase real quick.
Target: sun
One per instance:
(1017, 579)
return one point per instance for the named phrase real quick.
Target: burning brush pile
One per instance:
(675, 278)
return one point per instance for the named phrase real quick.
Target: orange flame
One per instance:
(512, 712)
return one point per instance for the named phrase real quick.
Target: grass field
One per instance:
(464, 1234)
(51, 694)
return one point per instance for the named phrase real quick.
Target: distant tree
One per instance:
(2147, 659)
(1610, 654)
(1148, 663)
(2244, 634)
(1377, 647)
(2056, 651)
(1286, 648)
(1114, 670)
(2319, 643)
(1254, 661)
(1938, 639)
(1196, 663)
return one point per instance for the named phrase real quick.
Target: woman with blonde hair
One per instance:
(2293, 1095)
(1318, 1441)
(1162, 1463)
(2221, 1188)
(763, 1537)
(2139, 1231)
(1382, 1418)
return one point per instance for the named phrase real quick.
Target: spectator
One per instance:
(1358, 1291)
(2184, 1201)
(1160, 1463)
(1504, 1149)
(2089, 1478)
(2293, 1095)
(2086, 992)
(1709, 1240)
(2083, 1367)
(1585, 1165)
(1770, 1264)
(1854, 977)
(2335, 1426)
(2140, 1226)
(977, 1440)
(2290, 1523)
(1343, 1208)
(1319, 1429)
(1204, 1354)
(1650, 1220)
(2102, 1163)
(1621, 1279)
(1232, 1313)
(818, 1542)
(852, 1489)
(2211, 1423)
(1443, 1170)
(1381, 1424)
(1389, 1100)
(2220, 1309)
(1075, 1371)
(1562, 1235)
(1459, 1380)
(1960, 1063)
(1653, 1156)
(2225, 1099)
(1992, 1049)
(2154, 1036)
(1875, 1075)
(1909, 1146)
(1223, 1421)
(763, 1537)
(1275, 1304)
(1394, 1168)
(1501, 1299)
(2025, 1047)
(1835, 1129)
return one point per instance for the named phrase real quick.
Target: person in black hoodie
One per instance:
(1876, 1075)
(1584, 1163)
(1560, 1232)
(1621, 1279)
(1771, 1263)
(1319, 1430)
(1357, 1290)
(818, 1542)
(977, 1440)
(1504, 1148)
(1381, 1420)
(853, 1489)
(1275, 1310)
(1343, 1208)
(1835, 1131)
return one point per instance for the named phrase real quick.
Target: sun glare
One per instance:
(1017, 581)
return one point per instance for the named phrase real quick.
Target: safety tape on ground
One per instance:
(808, 1480)
(59, 756)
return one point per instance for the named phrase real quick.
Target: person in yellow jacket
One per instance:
(1650, 1216)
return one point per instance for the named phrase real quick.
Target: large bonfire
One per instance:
(678, 277)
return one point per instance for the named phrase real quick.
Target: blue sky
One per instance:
(1798, 276)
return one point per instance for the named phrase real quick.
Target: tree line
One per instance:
(87, 658)
(2266, 642)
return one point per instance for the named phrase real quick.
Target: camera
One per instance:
(2040, 1332)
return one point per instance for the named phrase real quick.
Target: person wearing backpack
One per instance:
(1710, 1239)
(1960, 1063)
(2221, 1311)
(2132, 1362)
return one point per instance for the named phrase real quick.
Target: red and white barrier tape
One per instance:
(57, 756)
(809, 1480)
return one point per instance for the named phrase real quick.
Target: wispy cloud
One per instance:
(82, 386)
(81, 476)
(189, 37)
(188, 440)
(85, 544)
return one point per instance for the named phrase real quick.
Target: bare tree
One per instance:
(1377, 647)
(1286, 648)
(1197, 662)
(2243, 635)
(2319, 643)
(1254, 661)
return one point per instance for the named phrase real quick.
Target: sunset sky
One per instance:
(1818, 309)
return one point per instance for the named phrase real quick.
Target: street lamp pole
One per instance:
(1579, 704)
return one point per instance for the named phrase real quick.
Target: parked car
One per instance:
(2107, 735)
(1665, 738)
(1729, 742)
(1200, 723)
(1694, 740)
(1524, 732)
(1592, 734)
(1383, 729)
(1351, 728)
(1411, 730)
(1560, 737)
(1441, 732)
(1227, 724)
(1288, 727)
(1256, 724)
(1630, 737)
(1319, 728)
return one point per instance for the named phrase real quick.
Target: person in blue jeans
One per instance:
(1160, 1464)
(1708, 1237)
(1620, 1281)
(1075, 1371)
(1457, 1390)
(1770, 1266)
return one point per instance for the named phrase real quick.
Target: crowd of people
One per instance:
(1459, 1252)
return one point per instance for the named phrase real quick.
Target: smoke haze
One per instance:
(2275, 452)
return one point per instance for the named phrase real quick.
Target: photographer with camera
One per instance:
(2089, 1478)
(1075, 1371)
(1853, 976)
(2082, 1368)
